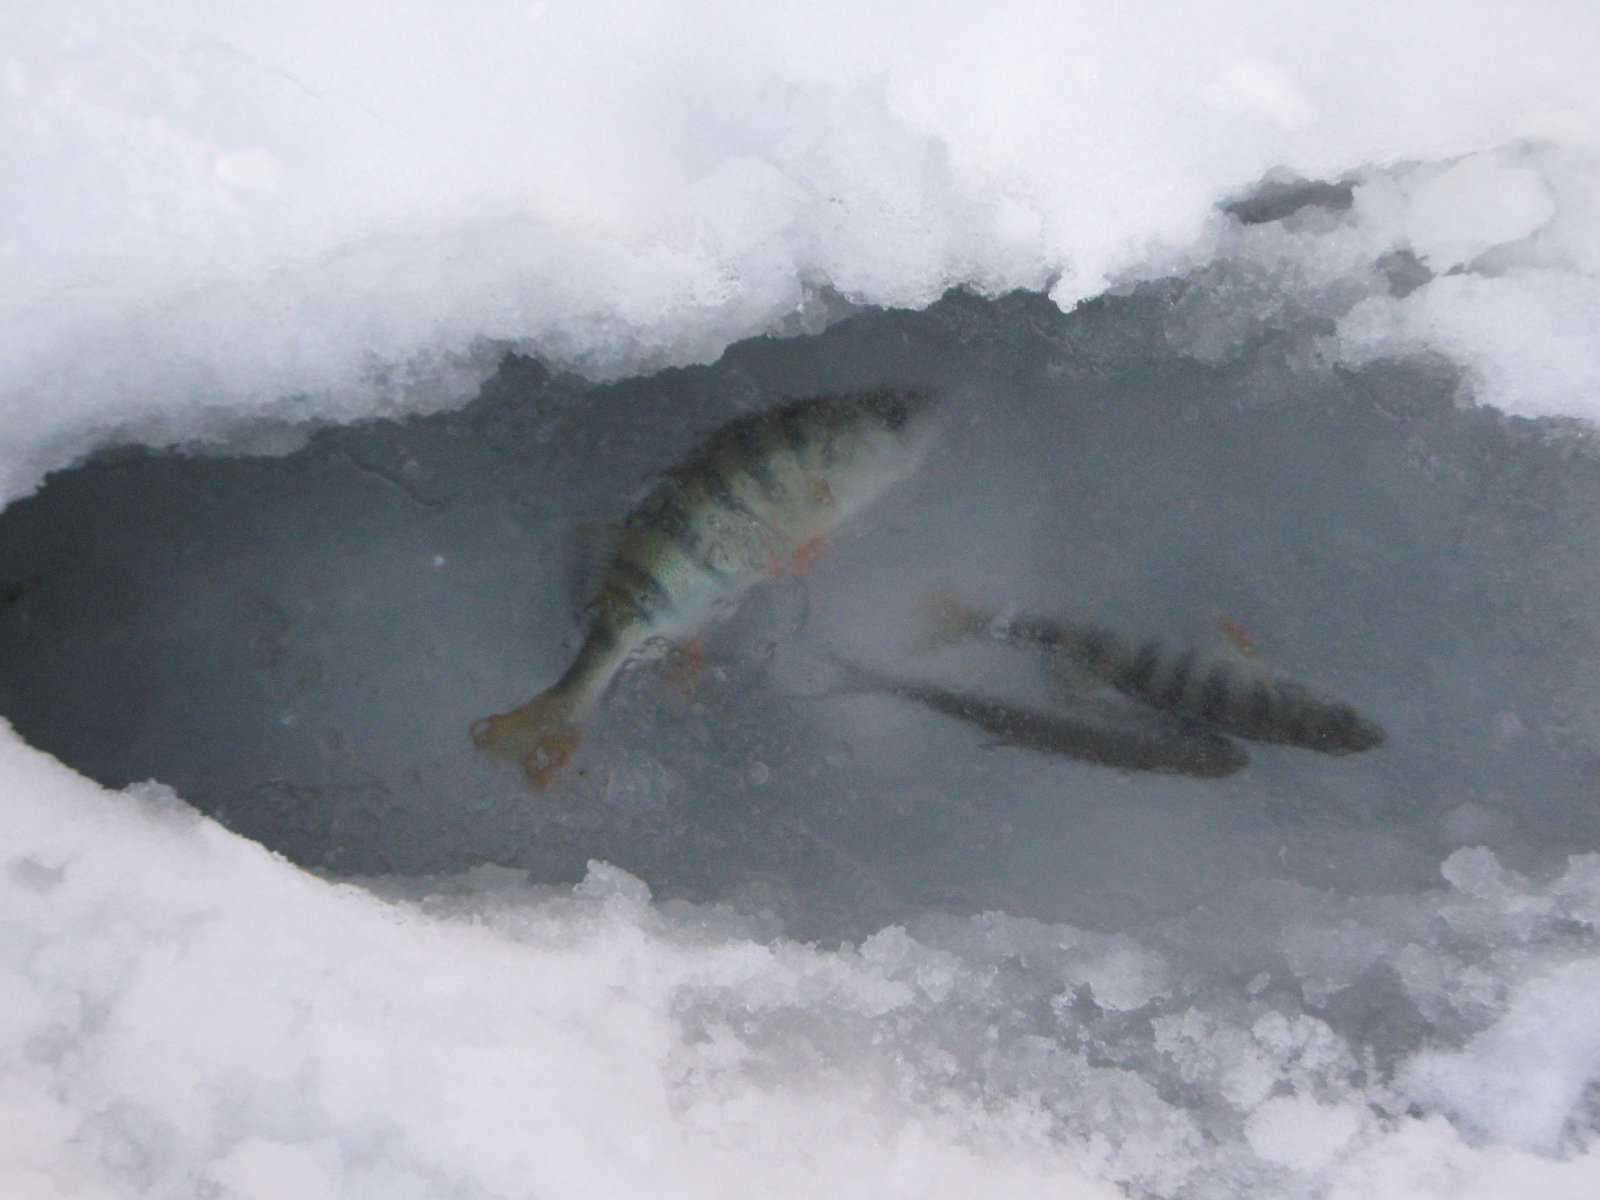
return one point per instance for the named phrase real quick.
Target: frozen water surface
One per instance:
(297, 644)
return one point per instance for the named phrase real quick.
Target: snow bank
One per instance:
(187, 1014)
(211, 213)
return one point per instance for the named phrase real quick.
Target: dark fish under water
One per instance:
(755, 499)
(1232, 693)
(1176, 749)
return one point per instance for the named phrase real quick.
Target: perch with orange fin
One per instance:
(757, 499)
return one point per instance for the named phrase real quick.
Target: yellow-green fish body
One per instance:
(754, 500)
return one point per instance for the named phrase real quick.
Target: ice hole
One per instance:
(298, 644)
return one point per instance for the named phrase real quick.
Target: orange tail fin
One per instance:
(540, 735)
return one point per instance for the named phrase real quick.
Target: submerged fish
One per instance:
(756, 499)
(1233, 693)
(1175, 749)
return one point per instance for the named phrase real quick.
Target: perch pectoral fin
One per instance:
(799, 559)
(683, 664)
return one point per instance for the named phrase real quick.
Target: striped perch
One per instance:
(1228, 693)
(756, 499)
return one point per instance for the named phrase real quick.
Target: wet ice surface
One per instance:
(298, 644)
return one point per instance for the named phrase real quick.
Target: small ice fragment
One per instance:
(612, 885)
(1126, 977)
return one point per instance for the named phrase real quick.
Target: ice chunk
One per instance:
(1126, 976)
(1452, 216)
(1524, 1079)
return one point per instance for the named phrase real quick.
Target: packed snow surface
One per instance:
(1310, 341)
(211, 211)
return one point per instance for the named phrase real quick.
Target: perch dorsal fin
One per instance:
(1238, 640)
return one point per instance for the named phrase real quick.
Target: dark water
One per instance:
(299, 644)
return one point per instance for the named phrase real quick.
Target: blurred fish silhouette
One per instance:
(1234, 692)
(1172, 747)
(758, 498)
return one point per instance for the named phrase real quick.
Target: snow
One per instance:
(1294, 252)
(215, 1017)
(185, 1009)
(1300, 1133)
(217, 213)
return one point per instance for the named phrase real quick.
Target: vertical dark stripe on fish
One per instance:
(720, 492)
(1259, 705)
(792, 425)
(1214, 696)
(668, 515)
(1179, 683)
(754, 457)
(602, 637)
(1304, 720)
(1095, 647)
(673, 519)
(701, 552)
(641, 588)
(1137, 676)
